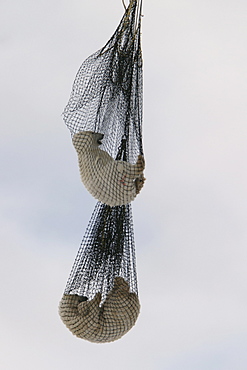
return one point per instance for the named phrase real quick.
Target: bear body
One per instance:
(110, 181)
(89, 321)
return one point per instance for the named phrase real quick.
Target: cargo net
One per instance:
(100, 301)
(107, 92)
(107, 251)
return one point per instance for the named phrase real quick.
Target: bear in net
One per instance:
(110, 181)
(87, 320)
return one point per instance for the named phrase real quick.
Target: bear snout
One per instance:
(99, 138)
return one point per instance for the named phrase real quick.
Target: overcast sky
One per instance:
(190, 219)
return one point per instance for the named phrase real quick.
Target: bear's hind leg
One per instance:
(140, 165)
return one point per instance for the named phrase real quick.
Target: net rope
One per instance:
(107, 251)
(106, 98)
(107, 92)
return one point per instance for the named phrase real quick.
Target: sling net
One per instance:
(107, 98)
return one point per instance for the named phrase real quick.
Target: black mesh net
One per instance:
(107, 91)
(107, 98)
(107, 251)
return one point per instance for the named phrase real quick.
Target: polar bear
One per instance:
(110, 181)
(87, 320)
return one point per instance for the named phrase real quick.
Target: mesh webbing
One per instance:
(107, 91)
(107, 251)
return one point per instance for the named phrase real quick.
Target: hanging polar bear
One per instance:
(100, 324)
(110, 181)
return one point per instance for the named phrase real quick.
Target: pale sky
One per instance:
(190, 219)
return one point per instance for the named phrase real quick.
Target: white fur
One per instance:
(107, 323)
(111, 182)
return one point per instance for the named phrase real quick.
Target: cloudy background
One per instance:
(190, 219)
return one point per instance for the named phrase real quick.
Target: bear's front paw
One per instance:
(139, 182)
